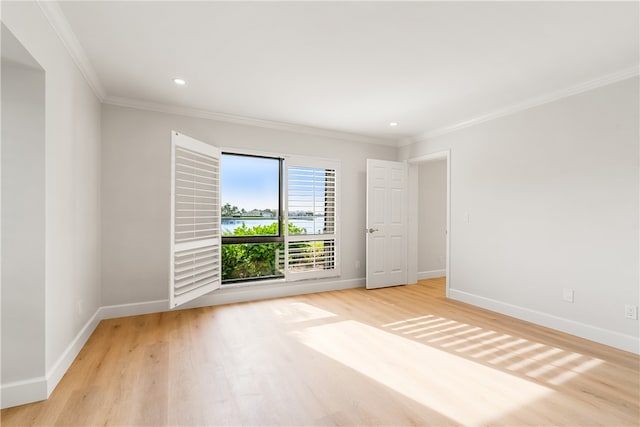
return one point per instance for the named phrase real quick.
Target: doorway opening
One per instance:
(429, 214)
(22, 225)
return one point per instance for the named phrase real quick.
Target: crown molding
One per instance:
(247, 121)
(57, 20)
(530, 103)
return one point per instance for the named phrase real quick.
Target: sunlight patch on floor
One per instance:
(506, 352)
(496, 349)
(483, 343)
(301, 312)
(515, 353)
(527, 362)
(440, 331)
(411, 321)
(558, 363)
(581, 368)
(457, 334)
(434, 378)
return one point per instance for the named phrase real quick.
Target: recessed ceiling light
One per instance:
(392, 124)
(180, 82)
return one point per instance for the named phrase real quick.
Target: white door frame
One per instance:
(413, 192)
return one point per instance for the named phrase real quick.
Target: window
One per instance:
(252, 238)
(279, 218)
(237, 217)
(312, 249)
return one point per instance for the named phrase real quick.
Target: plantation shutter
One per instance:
(312, 221)
(195, 219)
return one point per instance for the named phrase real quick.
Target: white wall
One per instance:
(72, 183)
(432, 218)
(23, 218)
(552, 197)
(136, 195)
(551, 193)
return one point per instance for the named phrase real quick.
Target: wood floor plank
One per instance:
(394, 356)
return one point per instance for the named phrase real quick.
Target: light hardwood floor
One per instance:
(395, 356)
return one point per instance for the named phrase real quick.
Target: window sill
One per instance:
(268, 282)
(253, 283)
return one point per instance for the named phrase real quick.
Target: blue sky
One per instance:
(250, 182)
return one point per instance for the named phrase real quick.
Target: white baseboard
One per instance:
(57, 371)
(133, 309)
(582, 330)
(40, 388)
(431, 274)
(23, 392)
(233, 295)
(250, 293)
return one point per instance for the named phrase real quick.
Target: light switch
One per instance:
(567, 295)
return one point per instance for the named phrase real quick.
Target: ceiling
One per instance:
(352, 66)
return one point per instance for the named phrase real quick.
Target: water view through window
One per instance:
(253, 241)
(250, 195)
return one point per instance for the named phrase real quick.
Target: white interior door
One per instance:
(386, 223)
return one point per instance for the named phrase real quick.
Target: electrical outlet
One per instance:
(358, 265)
(567, 295)
(631, 312)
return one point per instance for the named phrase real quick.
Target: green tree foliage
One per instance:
(248, 260)
(228, 210)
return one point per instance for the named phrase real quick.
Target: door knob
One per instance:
(372, 230)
